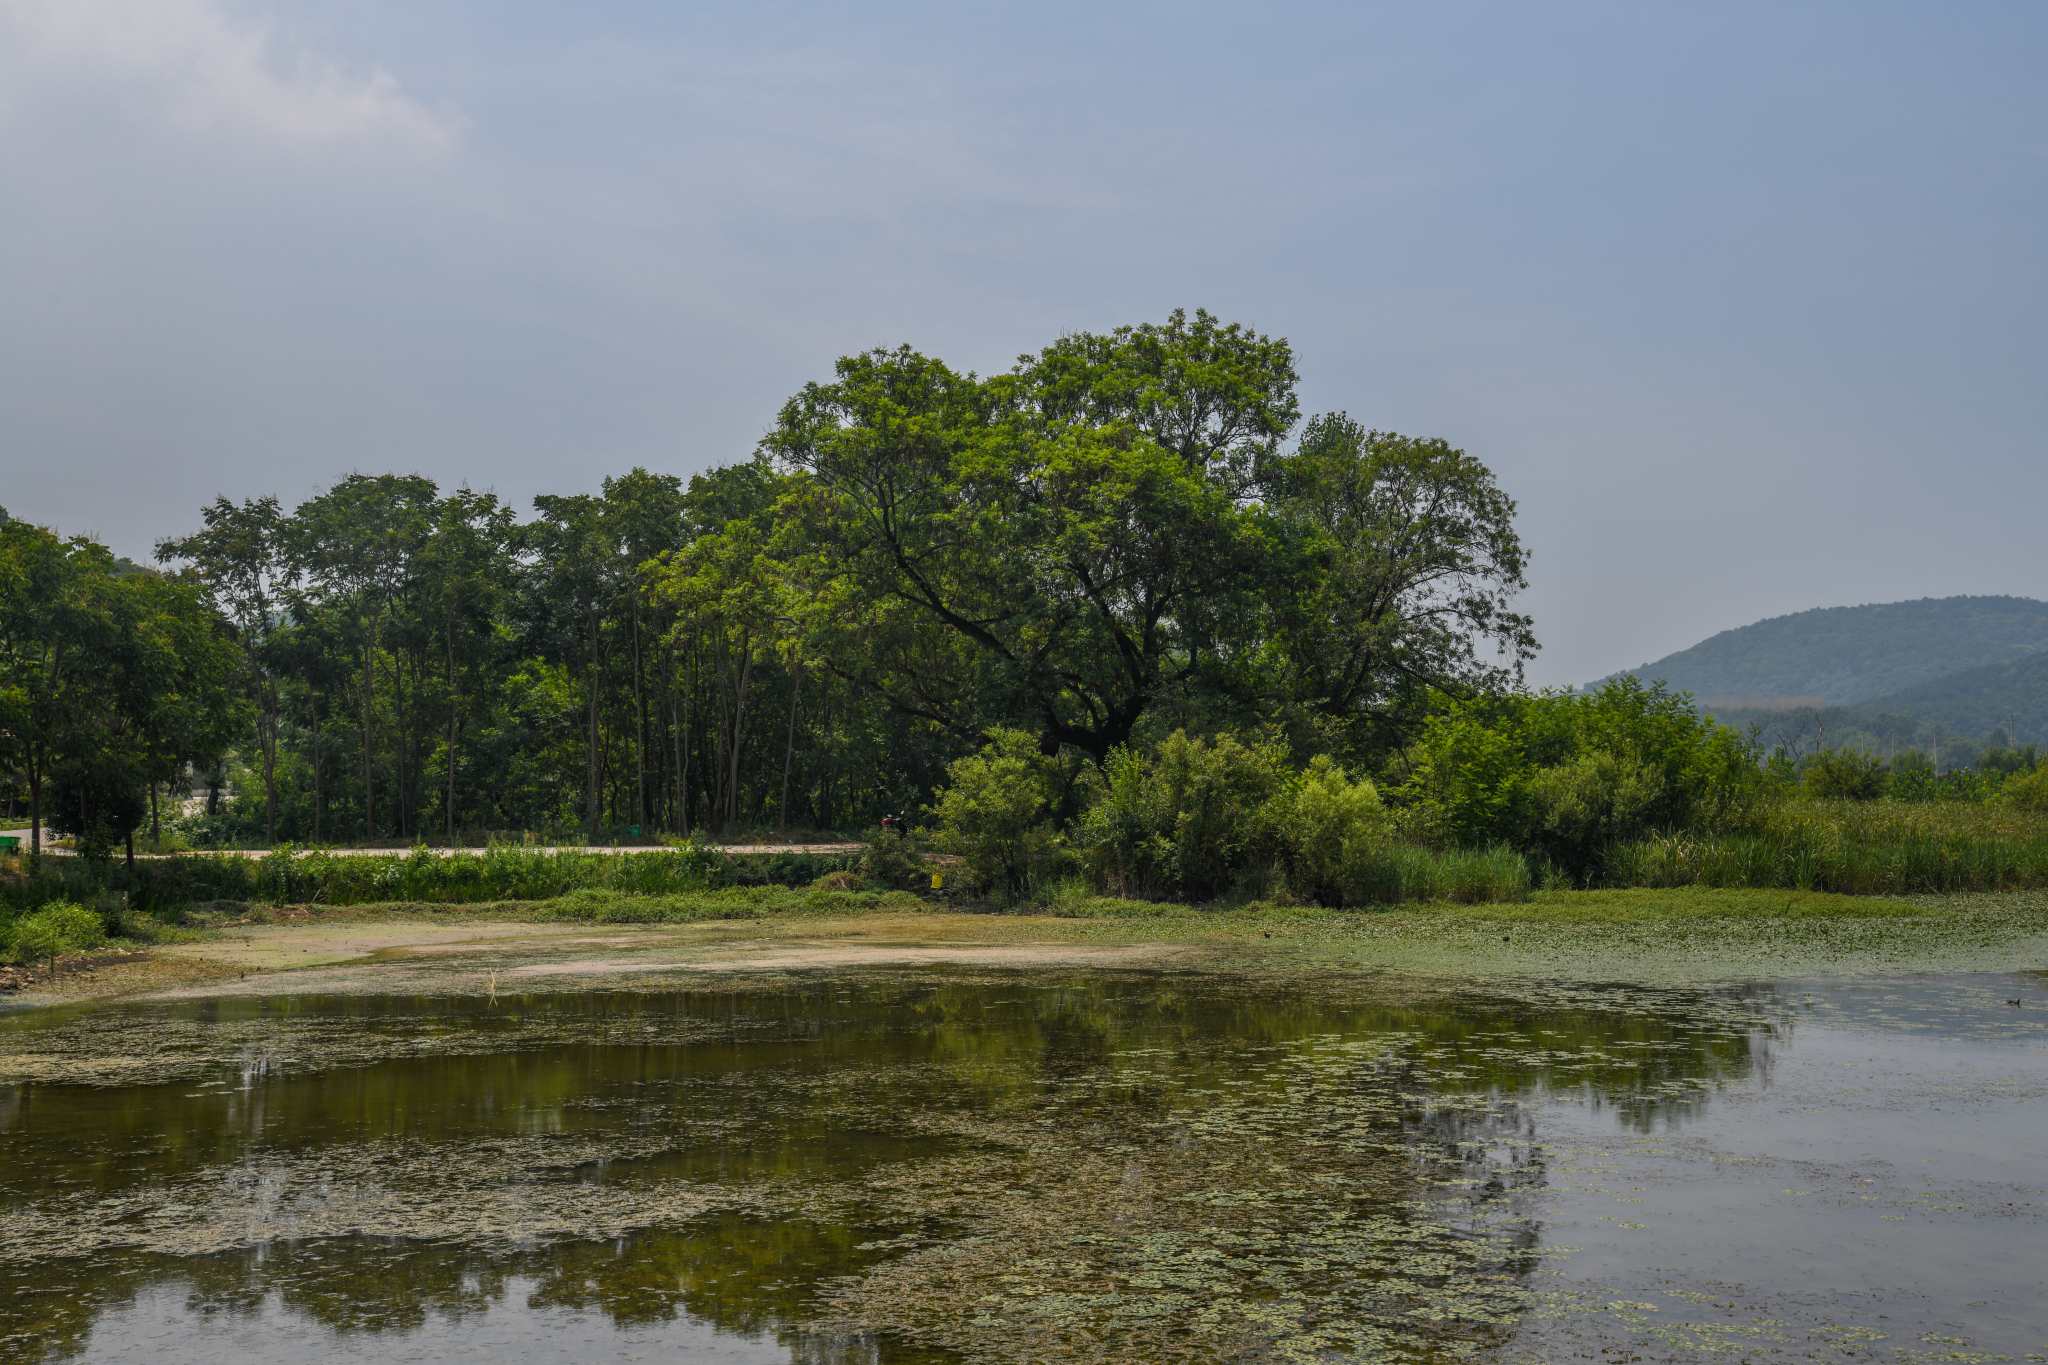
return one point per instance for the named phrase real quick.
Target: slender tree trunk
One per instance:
(685, 745)
(590, 775)
(640, 739)
(724, 736)
(319, 800)
(131, 850)
(739, 720)
(402, 769)
(451, 726)
(677, 754)
(156, 831)
(369, 689)
(35, 801)
(796, 687)
(269, 760)
(825, 765)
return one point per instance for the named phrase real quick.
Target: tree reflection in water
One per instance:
(891, 1167)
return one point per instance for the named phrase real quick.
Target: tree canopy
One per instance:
(1121, 535)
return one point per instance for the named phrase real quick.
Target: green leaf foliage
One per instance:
(1184, 820)
(995, 812)
(58, 928)
(1565, 774)
(1851, 776)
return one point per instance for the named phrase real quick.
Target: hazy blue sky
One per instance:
(1744, 303)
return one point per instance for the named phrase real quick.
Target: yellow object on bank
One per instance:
(935, 881)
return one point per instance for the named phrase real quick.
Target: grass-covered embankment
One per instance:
(1862, 848)
(163, 887)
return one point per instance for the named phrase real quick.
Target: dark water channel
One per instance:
(934, 1166)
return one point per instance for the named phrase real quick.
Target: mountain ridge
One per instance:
(1852, 655)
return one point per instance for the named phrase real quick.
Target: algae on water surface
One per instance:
(904, 1165)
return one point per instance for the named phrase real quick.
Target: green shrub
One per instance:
(1579, 807)
(2027, 791)
(995, 814)
(1837, 773)
(894, 861)
(1331, 837)
(58, 928)
(1184, 821)
(1511, 769)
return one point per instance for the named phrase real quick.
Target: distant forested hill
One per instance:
(1846, 655)
(1977, 701)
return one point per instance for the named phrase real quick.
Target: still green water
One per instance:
(921, 1166)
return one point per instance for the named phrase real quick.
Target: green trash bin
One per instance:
(10, 843)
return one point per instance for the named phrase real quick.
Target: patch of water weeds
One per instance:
(1002, 1165)
(1122, 1164)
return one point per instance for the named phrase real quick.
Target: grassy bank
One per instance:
(165, 888)
(594, 906)
(1858, 848)
(1844, 848)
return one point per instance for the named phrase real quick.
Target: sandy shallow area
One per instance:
(493, 949)
(468, 955)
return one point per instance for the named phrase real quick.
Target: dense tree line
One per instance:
(115, 681)
(1122, 536)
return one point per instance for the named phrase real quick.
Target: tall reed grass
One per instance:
(1861, 848)
(1467, 876)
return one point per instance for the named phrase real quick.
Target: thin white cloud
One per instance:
(207, 72)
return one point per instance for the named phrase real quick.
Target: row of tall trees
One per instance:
(114, 681)
(1121, 535)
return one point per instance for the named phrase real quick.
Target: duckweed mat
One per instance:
(939, 1164)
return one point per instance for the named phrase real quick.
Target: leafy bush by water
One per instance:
(1184, 820)
(892, 860)
(58, 928)
(1333, 838)
(996, 813)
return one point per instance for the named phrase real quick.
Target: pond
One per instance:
(942, 1164)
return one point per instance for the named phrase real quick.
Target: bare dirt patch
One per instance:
(889, 955)
(468, 956)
